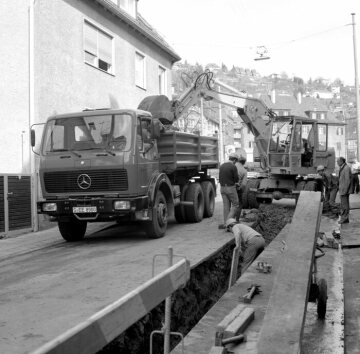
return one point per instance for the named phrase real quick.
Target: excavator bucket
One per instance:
(160, 107)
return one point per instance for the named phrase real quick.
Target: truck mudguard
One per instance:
(161, 181)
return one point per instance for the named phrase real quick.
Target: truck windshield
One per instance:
(106, 132)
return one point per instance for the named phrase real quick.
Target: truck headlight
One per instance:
(49, 207)
(121, 205)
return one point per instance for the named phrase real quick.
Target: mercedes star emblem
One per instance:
(84, 181)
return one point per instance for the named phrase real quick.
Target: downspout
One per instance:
(34, 179)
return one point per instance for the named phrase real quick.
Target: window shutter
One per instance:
(90, 39)
(105, 47)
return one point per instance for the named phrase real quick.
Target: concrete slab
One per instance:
(318, 337)
(352, 299)
(350, 233)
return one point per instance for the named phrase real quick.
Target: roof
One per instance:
(308, 104)
(141, 26)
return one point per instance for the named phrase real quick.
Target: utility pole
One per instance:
(221, 140)
(356, 89)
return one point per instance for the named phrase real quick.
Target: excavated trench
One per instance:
(208, 282)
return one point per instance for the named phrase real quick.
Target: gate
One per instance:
(15, 203)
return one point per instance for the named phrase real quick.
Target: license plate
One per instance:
(90, 209)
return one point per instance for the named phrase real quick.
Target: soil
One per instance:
(208, 282)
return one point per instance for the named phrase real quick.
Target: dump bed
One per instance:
(180, 150)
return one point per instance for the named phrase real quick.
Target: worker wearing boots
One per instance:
(344, 189)
(329, 186)
(228, 177)
(241, 185)
(249, 241)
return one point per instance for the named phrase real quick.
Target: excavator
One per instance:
(288, 147)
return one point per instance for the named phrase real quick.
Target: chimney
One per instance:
(273, 96)
(299, 97)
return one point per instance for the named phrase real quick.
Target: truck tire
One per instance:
(195, 212)
(310, 186)
(300, 185)
(209, 198)
(252, 201)
(73, 230)
(156, 227)
(180, 215)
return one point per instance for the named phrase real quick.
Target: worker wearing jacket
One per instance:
(247, 240)
(228, 177)
(329, 185)
(344, 189)
(241, 185)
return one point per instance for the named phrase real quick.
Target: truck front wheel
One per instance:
(157, 226)
(73, 230)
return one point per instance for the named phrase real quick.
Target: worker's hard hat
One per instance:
(320, 168)
(233, 155)
(230, 222)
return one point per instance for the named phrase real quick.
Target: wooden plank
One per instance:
(100, 329)
(350, 235)
(220, 328)
(283, 322)
(351, 261)
(240, 323)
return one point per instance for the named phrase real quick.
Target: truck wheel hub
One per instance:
(162, 214)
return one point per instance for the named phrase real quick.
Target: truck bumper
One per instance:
(95, 209)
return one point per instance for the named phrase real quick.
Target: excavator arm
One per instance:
(253, 112)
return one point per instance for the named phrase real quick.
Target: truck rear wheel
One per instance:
(180, 215)
(73, 230)
(310, 186)
(251, 196)
(209, 198)
(195, 212)
(157, 226)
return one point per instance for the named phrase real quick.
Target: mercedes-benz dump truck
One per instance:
(122, 165)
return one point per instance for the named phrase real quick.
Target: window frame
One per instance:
(138, 84)
(162, 75)
(99, 29)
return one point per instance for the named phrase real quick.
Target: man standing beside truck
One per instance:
(241, 185)
(228, 177)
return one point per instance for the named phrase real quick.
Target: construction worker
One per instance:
(330, 187)
(241, 185)
(249, 241)
(344, 189)
(228, 177)
(354, 165)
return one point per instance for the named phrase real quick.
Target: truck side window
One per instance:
(139, 139)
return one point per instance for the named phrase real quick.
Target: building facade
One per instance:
(61, 56)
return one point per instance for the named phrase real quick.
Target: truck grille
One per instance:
(100, 180)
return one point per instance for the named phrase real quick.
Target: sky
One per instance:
(303, 38)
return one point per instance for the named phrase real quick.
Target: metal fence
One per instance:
(15, 203)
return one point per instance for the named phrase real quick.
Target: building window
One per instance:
(313, 115)
(162, 81)
(250, 144)
(322, 115)
(98, 48)
(339, 131)
(140, 70)
(128, 5)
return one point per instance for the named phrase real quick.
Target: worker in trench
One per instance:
(228, 178)
(248, 240)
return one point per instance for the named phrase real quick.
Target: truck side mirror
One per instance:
(32, 137)
(155, 129)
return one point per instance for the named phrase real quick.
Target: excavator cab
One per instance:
(298, 145)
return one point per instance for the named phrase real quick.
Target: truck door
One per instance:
(296, 146)
(321, 145)
(148, 159)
